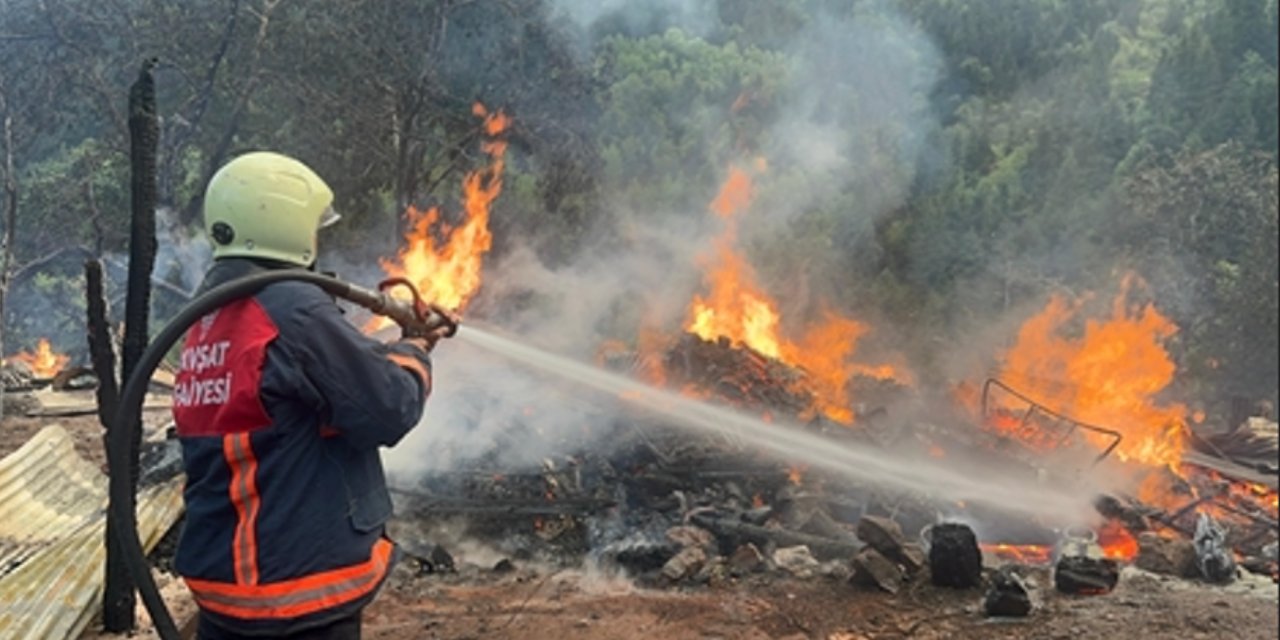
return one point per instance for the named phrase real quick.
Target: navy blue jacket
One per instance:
(281, 405)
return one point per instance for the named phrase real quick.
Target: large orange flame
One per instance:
(1110, 375)
(43, 361)
(448, 272)
(736, 308)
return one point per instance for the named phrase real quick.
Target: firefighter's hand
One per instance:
(427, 341)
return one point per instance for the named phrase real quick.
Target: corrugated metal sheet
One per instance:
(52, 520)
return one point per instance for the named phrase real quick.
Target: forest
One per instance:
(937, 168)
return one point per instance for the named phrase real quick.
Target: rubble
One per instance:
(1085, 575)
(684, 564)
(687, 536)
(746, 559)
(1165, 555)
(1008, 596)
(884, 535)
(1212, 555)
(797, 561)
(872, 569)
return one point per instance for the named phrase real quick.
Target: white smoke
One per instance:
(856, 95)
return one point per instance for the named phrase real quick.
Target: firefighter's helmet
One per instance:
(267, 205)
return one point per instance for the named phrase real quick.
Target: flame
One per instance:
(1116, 542)
(736, 308)
(1109, 376)
(444, 262)
(43, 361)
(1029, 554)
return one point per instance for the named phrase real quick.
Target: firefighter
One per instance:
(281, 405)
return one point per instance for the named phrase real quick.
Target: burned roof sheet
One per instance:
(52, 519)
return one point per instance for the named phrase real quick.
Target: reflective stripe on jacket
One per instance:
(281, 405)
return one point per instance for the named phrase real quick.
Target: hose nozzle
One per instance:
(415, 317)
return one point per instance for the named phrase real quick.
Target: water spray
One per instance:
(792, 444)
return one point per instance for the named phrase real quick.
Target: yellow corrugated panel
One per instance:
(52, 519)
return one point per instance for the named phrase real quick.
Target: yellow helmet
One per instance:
(266, 205)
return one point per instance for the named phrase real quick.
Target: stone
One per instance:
(954, 557)
(436, 560)
(746, 559)
(714, 573)
(684, 564)
(1213, 557)
(882, 534)
(1008, 596)
(912, 557)
(689, 536)
(797, 560)
(872, 569)
(1168, 556)
(1084, 575)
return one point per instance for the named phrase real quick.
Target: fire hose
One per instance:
(415, 317)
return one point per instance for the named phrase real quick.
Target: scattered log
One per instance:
(746, 532)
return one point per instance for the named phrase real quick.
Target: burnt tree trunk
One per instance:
(10, 217)
(101, 348)
(118, 596)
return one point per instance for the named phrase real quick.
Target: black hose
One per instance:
(129, 413)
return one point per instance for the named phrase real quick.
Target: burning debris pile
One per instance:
(675, 509)
(1075, 399)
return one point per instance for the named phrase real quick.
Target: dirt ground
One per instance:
(543, 603)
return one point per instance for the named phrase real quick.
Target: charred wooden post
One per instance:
(101, 349)
(118, 596)
(744, 532)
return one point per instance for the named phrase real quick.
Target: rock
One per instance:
(1008, 596)
(913, 557)
(882, 534)
(1215, 560)
(714, 573)
(690, 536)
(872, 569)
(684, 564)
(16, 375)
(1084, 575)
(1168, 556)
(746, 559)
(798, 561)
(820, 523)
(436, 560)
(954, 557)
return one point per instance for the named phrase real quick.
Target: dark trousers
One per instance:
(344, 629)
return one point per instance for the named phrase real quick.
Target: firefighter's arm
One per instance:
(375, 392)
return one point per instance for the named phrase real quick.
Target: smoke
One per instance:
(854, 116)
(607, 17)
(851, 116)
